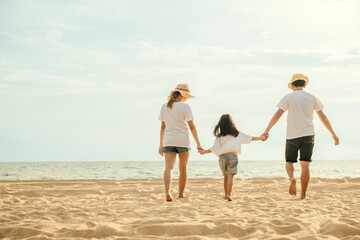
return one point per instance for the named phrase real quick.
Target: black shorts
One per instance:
(304, 144)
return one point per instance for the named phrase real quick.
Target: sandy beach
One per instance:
(135, 209)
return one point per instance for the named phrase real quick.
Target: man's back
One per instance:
(301, 106)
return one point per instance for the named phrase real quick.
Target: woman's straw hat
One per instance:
(298, 76)
(184, 90)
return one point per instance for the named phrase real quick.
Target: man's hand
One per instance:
(263, 138)
(160, 151)
(266, 135)
(336, 139)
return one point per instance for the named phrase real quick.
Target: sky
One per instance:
(85, 80)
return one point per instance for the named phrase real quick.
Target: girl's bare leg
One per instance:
(183, 160)
(229, 186)
(169, 166)
(225, 184)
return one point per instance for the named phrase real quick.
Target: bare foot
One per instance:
(168, 198)
(304, 197)
(292, 188)
(228, 197)
(183, 196)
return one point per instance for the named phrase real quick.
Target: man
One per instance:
(300, 133)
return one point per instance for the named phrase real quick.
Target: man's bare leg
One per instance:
(169, 166)
(225, 185)
(229, 186)
(290, 171)
(305, 177)
(183, 160)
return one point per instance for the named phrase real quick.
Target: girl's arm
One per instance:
(202, 152)
(262, 138)
(162, 132)
(195, 135)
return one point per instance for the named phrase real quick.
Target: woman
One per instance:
(176, 121)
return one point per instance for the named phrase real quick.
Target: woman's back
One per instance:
(177, 130)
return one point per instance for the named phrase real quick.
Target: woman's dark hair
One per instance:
(299, 83)
(225, 126)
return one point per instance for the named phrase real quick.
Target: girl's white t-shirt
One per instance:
(230, 143)
(177, 131)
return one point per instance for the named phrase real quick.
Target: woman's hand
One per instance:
(200, 149)
(160, 150)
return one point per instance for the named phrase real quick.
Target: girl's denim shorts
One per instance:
(228, 164)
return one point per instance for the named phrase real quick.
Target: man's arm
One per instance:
(273, 121)
(327, 124)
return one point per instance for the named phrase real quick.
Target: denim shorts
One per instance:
(175, 149)
(228, 163)
(303, 144)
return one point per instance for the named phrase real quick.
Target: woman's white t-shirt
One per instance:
(177, 131)
(230, 143)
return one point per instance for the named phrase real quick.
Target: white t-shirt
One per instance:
(177, 131)
(301, 106)
(230, 143)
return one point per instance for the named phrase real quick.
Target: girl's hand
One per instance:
(263, 138)
(160, 151)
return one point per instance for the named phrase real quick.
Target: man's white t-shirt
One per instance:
(301, 106)
(230, 143)
(177, 131)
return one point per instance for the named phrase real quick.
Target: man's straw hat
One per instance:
(298, 76)
(184, 90)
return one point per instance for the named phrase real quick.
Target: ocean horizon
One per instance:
(118, 170)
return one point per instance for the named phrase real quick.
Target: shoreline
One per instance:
(174, 179)
(136, 209)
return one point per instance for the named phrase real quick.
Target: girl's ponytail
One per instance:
(171, 98)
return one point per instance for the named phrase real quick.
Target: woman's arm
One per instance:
(195, 135)
(162, 132)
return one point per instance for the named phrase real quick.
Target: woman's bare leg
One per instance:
(229, 186)
(169, 166)
(183, 160)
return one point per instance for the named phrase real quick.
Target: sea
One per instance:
(154, 169)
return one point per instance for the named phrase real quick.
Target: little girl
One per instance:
(227, 146)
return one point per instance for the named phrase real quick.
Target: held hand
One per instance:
(266, 135)
(202, 152)
(160, 151)
(200, 149)
(336, 139)
(263, 138)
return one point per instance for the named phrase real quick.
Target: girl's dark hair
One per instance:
(225, 126)
(171, 98)
(299, 83)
